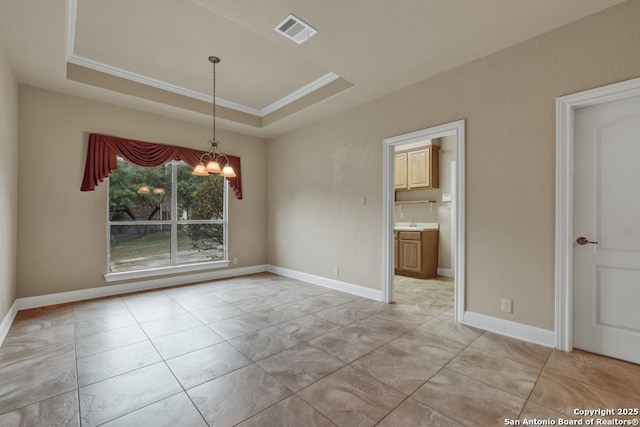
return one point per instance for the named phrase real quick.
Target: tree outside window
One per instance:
(164, 216)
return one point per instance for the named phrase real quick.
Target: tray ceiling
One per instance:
(152, 54)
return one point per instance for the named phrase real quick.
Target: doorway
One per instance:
(597, 232)
(456, 129)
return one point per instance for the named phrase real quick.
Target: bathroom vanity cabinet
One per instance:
(416, 253)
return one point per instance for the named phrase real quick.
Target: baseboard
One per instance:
(350, 288)
(445, 272)
(109, 290)
(511, 329)
(7, 321)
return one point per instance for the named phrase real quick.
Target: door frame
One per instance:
(566, 107)
(456, 128)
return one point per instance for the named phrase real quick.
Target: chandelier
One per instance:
(216, 163)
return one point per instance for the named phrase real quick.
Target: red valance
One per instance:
(103, 151)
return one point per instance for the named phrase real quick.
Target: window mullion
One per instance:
(225, 212)
(174, 213)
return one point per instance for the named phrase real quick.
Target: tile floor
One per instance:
(265, 350)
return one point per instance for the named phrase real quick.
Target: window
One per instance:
(163, 217)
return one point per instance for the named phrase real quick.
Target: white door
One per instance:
(606, 276)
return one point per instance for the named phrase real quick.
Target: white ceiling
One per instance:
(364, 49)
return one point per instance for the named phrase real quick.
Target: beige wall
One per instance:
(508, 99)
(437, 212)
(8, 185)
(62, 231)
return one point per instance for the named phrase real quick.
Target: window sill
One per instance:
(164, 271)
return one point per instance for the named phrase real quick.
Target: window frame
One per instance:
(174, 222)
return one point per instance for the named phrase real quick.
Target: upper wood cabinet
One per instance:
(400, 170)
(417, 168)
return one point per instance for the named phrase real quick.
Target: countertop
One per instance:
(419, 226)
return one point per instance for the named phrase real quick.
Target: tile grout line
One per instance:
(535, 384)
(75, 359)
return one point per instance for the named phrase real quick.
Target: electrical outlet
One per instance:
(507, 305)
(235, 261)
(363, 201)
(336, 271)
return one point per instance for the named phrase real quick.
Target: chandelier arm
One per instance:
(220, 156)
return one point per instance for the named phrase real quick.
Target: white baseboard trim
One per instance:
(108, 290)
(373, 294)
(511, 329)
(445, 272)
(7, 321)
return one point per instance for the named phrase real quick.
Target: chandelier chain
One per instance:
(214, 101)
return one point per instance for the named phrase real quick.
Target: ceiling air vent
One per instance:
(295, 29)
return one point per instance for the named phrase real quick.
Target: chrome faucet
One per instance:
(412, 220)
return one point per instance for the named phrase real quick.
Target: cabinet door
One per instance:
(400, 170)
(418, 168)
(411, 255)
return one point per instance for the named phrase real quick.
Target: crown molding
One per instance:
(303, 91)
(159, 84)
(72, 14)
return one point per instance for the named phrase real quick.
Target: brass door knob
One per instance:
(583, 241)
